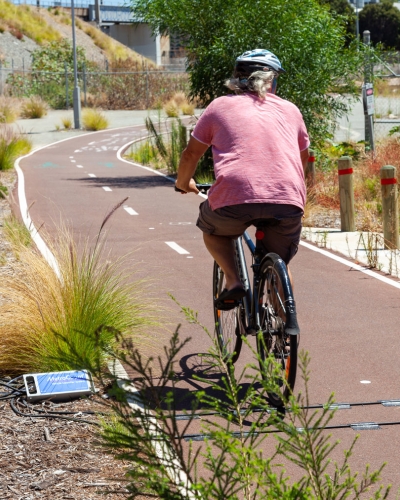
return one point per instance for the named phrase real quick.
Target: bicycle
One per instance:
(267, 311)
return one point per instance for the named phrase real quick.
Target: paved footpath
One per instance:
(349, 319)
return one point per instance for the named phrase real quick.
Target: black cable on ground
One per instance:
(46, 415)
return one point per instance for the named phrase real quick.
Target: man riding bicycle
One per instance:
(260, 149)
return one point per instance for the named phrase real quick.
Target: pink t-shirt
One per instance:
(256, 148)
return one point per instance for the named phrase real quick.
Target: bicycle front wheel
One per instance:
(275, 299)
(228, 324)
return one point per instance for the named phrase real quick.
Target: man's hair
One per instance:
(258, 83)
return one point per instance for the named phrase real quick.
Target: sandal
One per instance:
(229, 299)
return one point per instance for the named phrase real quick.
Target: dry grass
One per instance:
(24, 20)
(94, 119)
(171, 109)
(9, 109)
(323, 204)
(34, 107)
(66, 122)
(187, 109)
(52, 318)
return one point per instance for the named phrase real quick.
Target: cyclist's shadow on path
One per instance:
(186, 385)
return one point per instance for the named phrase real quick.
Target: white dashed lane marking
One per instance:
(177, 248)
(106, 188)
(92, 175)
(80, 166)
(130, 211)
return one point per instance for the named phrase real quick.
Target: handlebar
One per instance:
(203, 188)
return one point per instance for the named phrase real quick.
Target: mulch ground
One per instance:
(56, 459)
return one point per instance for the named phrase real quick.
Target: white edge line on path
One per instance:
(348, 263)
(342, 260)
(38, 240)
(176, 473)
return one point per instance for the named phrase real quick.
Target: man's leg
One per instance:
(222, 250)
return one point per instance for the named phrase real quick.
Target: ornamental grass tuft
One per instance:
(94, 119)
(34, 107)
(12, 145)
(53, 315)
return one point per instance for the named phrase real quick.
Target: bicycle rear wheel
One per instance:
(277, 321)
(228, 324)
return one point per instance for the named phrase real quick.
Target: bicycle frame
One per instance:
(251, 305)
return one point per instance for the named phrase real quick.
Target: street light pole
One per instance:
(77, 97)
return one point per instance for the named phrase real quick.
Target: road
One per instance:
(349, 321)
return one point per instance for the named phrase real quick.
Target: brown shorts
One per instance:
(282, 235)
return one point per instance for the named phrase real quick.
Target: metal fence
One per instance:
(108, 90)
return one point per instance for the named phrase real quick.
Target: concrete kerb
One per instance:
(365, 248)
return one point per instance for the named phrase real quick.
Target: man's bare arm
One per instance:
(188, 164)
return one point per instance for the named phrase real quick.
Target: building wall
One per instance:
(139, 38)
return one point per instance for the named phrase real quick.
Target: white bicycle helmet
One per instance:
(257, 60)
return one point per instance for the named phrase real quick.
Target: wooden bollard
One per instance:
(310, 169)
(390, 206)
(346, 193)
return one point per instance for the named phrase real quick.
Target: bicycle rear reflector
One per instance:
(259, 234)
(58, 385)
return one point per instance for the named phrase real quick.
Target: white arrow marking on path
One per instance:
(177, 248)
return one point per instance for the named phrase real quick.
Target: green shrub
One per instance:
(224, 458)
(34, 107)
(94, 119)
(12, 145)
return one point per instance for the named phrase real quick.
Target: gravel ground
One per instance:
(16, 52)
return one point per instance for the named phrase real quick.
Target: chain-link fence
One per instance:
(108, 90)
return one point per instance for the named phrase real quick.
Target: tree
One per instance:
(309, 41)
(383, 21)
(344, 9)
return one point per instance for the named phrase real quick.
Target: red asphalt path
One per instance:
(349, 321)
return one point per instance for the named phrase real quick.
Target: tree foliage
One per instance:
(306, 37)
(383, 22)
(343, 8)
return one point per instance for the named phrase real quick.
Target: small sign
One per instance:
(368, 99)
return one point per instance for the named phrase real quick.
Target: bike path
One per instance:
(349, 320)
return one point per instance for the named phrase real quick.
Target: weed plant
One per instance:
(171, 458)
(17, 234)
(94, 119)
(9, 109)
(145, 153)
(34, 107)
(51, 313)
(12, 145)
(170, 151)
